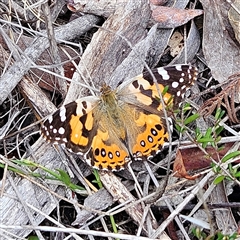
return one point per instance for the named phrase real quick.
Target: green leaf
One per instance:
(219, 114)
(218, 130)
(197, 131)
(218, 179)
(64, 177)
(113, 224)
(208, 132)
(186, 105)
(98, 180)
(230, 155)
(215, 168)
(218, 139)
(25, 162)
(237, 175)
(33, 238)
(198, 233)
(191, 118)
(75, 187)
(165, 90)
(233, 236)
(219, 236)
(178, 127)
(199, 136)
(206, 140)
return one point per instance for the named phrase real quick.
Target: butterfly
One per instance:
(122, 124)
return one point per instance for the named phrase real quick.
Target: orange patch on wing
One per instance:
(77, 129)
(144, 99)
(147, 100)
(89, 122)
(114, 157)
(146, 141)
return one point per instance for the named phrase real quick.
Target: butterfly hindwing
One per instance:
(107, 152)
(151, 135)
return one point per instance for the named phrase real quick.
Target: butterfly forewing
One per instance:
(173, 81)
(72, 125)
(178, 80)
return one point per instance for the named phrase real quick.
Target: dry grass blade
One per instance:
(32, 53)
(226, 98)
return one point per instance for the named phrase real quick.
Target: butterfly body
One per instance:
(121, 124)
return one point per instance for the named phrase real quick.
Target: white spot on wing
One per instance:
(179, 67)
(61, 130)
(163, 73)
(50, 119)
(62, 114)
(175, 84)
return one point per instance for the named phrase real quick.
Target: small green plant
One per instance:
(212, 138)
(212, 135)
(97, 178)
(58, 174)
(220, 236)
(234, 173)
(201, 235)
(100, 185)
(33, 238)
(180, 125)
